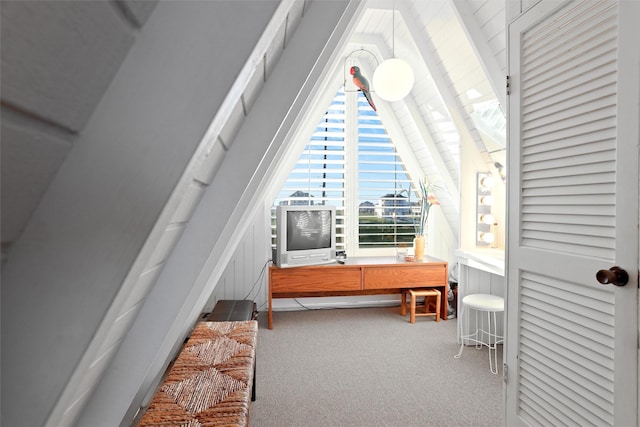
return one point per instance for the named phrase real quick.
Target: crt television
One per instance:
(305, 235)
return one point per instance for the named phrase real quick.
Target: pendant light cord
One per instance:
(393, 29)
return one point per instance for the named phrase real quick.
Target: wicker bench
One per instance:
(210, 382)
(228, 310)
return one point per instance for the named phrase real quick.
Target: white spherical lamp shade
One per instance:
(393, 80)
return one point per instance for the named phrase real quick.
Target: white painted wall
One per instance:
(247, 273)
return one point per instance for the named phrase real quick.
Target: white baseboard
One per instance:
(292, 304)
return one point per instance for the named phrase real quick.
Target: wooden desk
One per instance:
(358, 276)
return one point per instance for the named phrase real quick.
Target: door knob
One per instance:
(615, 276)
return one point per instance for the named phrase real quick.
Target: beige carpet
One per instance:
(370, 367)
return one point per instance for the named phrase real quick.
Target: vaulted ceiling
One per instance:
(53, 79)
(457, 51)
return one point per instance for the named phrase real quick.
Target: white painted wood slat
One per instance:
(557, 60)
(562, 322)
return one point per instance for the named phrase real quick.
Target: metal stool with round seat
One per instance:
(482, 304)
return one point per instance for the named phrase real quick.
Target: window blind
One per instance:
(387, 205)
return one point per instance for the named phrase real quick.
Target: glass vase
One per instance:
(418, 247)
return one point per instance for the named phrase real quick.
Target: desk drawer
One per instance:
(315, 279)
(405, 276)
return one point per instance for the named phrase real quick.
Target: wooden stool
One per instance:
(426, 293)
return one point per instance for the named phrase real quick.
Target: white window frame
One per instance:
(351, 181)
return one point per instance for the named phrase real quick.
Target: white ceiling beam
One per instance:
(442, 81)
(478, 41)
(380, 4)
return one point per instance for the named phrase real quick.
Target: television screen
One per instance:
(308, 230)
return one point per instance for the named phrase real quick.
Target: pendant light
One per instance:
(393, 79)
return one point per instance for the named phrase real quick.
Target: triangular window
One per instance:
(351, 163)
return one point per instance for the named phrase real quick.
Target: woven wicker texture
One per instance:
(210, 381)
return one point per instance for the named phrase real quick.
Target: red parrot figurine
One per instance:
(363, 84)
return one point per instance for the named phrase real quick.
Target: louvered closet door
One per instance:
(572, 343)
